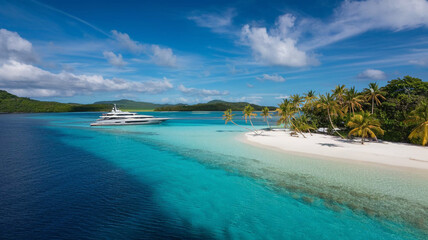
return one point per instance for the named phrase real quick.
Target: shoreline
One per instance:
(327, 147)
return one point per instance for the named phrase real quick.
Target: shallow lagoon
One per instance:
(191, 177)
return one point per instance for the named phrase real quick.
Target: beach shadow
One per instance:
(329, 144)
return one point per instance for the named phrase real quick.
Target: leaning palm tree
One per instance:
(339, 93)
(266, 115)
(228, 117)
(248, 114)
(374, 94)
(352, 100)
(364, 125)
(302, 124)
(286, 112)
(329, 103)
(419, 116)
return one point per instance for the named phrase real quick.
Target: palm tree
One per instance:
(228, 117)
(327, 102)
(286, 112)
(364, 125)
(297, 101)
(310, 98)
(248, 114)
(266, 115)
(419, 116)
(374, 94)
(302, 124)
(339, 93)
(352, 100)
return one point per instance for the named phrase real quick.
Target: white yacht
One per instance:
(117, 117)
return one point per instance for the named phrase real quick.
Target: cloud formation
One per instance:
(126, 42)
(420, 62)
(163, 56)
(28, 80)
(352, 18)
(217, 22)
(19, 76)
(288, 42)
(113, 59)
(201, 92)
(274, 78)
(159, 55)
(14, 47)
(274, 48)
(372, 74)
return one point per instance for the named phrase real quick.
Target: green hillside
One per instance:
(215, 105)
(129, 104)
(10, 103)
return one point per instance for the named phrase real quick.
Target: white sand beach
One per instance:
(326, 146)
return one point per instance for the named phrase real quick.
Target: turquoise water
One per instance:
(207, 181)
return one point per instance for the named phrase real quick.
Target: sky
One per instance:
(197, 51)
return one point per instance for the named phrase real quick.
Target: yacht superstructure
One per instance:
(117, 117)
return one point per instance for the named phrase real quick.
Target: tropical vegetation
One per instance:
(266, 114)
(214, 105)
(419, 117)
(364, 125)
(397, 111)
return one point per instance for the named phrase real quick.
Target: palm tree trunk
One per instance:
(372, 104)
(267, 121)
(241, 126)
(331, 122)
(291, 121)
(362, 139)
(255, 131)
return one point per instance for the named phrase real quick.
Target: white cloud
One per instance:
(27, 80)
(282, 97)
(113, 59)
(127, 42)
(273, 48)
(216, 22)
(201, 92)
(372, 74)
(288, 42)
(159, 55)
(356, 17)
(249, 99)
(14, 47)
(274, 78)
(163, 56)
(250, 85)
(420, 62)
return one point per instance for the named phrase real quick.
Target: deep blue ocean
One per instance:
(192, 177)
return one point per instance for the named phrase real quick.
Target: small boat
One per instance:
(117, 117)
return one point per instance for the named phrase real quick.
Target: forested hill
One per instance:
(215, 105)
(10, 103)
(133, 105)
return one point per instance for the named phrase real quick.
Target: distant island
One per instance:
(132, 105)
(215, 105)
(10, 103)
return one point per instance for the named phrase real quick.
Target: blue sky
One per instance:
(197, 51)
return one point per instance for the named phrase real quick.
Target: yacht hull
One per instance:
(118, 118)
